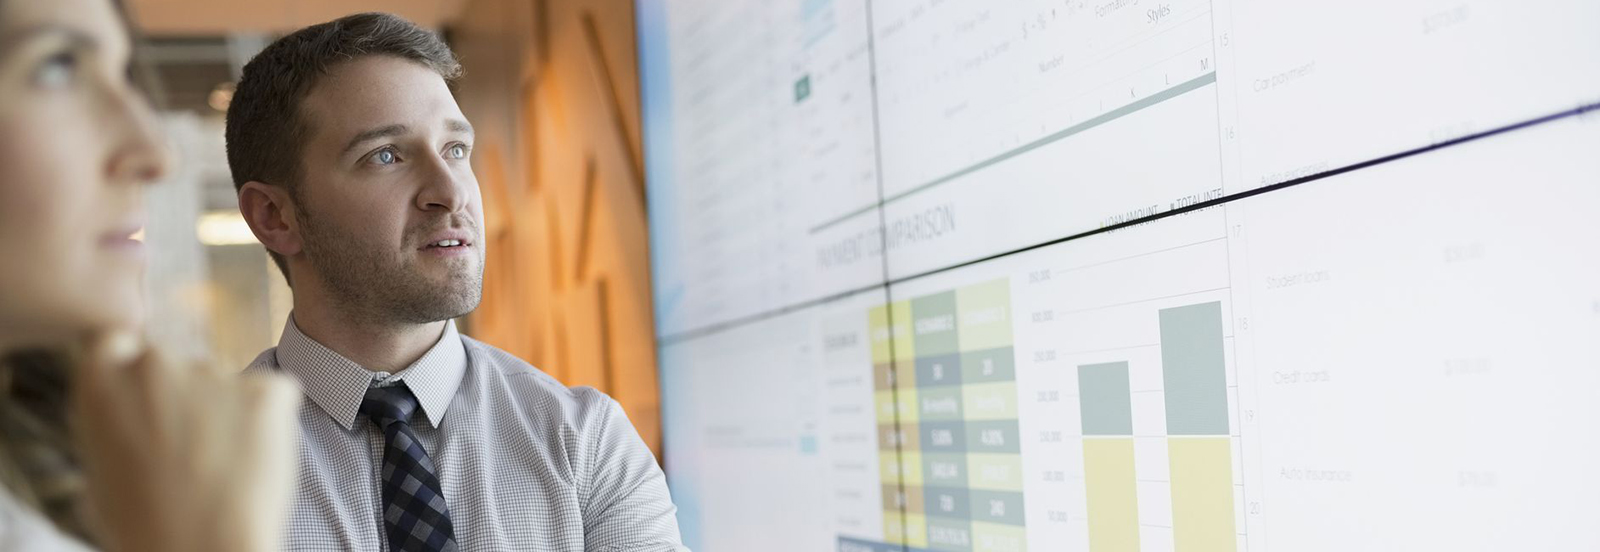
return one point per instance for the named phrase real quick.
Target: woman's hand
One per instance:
(183, 457)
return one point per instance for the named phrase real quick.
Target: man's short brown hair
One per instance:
(265, 130)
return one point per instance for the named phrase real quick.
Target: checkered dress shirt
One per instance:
(525, 462)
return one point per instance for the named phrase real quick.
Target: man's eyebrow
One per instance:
(458, 125)
(373, 134)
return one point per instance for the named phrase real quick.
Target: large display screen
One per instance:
(1107, 275)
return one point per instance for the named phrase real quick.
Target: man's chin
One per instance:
(441, 304)
(461, 292)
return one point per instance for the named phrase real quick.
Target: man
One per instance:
(351, 159)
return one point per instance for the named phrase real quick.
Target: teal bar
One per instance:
(1192, 369)
(1105, 403)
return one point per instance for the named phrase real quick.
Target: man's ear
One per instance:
(271, 216)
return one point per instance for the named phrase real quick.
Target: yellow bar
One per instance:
(1113, 498)
(1202, 494)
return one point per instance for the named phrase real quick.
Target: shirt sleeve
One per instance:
(22, 530)
(626, 505)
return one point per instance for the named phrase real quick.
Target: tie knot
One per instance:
(386, 405)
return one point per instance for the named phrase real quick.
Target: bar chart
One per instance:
(1198, 444)
(1129, 393)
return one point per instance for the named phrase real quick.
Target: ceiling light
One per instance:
(224, 228)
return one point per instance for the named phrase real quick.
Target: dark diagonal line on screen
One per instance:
(745, 320)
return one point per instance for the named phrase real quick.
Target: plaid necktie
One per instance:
(414, 513)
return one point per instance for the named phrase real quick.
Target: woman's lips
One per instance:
(125, 240)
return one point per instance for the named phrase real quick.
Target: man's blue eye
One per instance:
(458, 151)
(385, 157)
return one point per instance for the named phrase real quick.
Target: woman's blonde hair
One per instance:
(37, 461)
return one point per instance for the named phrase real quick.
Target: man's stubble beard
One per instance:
(371, 282)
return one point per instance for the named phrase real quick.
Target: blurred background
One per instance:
(552, 90)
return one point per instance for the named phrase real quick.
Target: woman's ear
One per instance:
(271, 216)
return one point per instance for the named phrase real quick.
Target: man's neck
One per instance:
(375, 345)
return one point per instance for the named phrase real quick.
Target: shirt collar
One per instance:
(337, 384)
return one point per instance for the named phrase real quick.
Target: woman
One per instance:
(158, 455)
